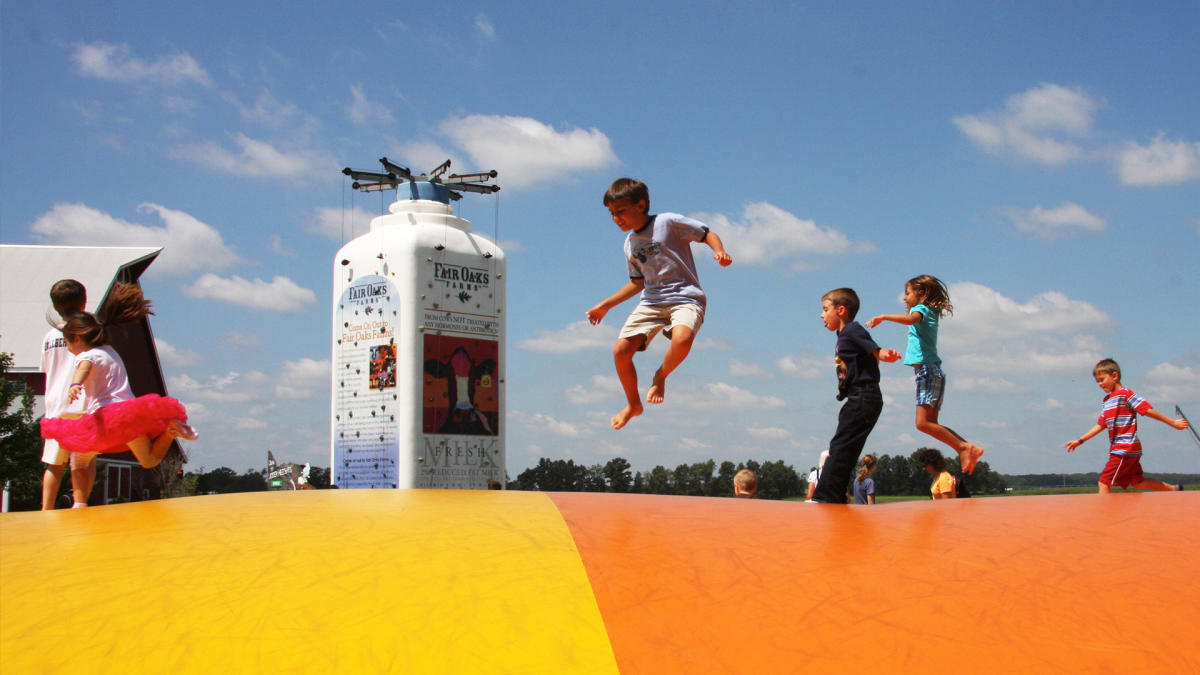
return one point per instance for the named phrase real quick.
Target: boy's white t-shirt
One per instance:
(108, 381)
(58, 363)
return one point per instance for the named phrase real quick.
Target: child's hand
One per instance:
(73, 392)
(596, 314)
(889, 355)
(1180, 423)
(723, 258)
(874, 321)
(1071, 445)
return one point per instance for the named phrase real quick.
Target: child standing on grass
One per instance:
(857, 359)
(1118, 414)
(658, 250)
(926, 299)
(115, 420)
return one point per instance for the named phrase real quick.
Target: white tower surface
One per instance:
(419, 344)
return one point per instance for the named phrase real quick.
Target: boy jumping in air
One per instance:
(658, 250)
(1119, 414)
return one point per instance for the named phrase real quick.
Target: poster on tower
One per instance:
(365, 442)
(461, 396)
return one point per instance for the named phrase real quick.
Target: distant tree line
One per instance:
(894, 475)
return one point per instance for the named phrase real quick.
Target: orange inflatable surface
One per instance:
(422, 581)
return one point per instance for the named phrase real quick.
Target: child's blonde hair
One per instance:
(868, 465)
(1107, 366)
(745, 482)
(932, 292)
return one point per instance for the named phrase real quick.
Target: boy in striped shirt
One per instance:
(1118, 415)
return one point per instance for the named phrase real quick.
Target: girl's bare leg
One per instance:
(968, 452)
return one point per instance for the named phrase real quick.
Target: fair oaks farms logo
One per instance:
(462, 278)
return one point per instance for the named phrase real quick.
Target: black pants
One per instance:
(855, 422)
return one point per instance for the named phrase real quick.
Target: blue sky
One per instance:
(1043, 159)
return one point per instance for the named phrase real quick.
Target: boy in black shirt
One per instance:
(857, 361)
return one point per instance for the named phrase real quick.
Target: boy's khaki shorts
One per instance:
(648, 320)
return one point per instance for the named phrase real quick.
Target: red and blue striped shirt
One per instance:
(1119, 413)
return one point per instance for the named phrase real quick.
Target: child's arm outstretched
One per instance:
(1071, 445)
(719, 254)
(1178, 424)
(910, 319)
(596, 314)
(81, 375)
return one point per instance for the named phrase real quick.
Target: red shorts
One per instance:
(1122, 471)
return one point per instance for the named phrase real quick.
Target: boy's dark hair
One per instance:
(1106, 366)
(125, 304)
(933, 293)
(68, 296)
(627, 189)
(843, 297)
(932, 457)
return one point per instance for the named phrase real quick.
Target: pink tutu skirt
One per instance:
(110, 428)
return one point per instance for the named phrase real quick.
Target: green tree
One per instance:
(617, 474)
(658, 481)
(724, 483)
(20, 443)
(777, 480)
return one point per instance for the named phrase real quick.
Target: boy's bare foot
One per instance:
(969, 456)
(658, 390)
(622, 418)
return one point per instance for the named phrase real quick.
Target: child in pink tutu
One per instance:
(116, 421)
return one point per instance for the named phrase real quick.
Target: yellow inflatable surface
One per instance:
(419, 581)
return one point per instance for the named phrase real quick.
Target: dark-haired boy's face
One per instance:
(627, 214)
(1108, 381)
(833, 316)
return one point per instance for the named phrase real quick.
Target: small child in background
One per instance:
(1118, 414)
(745, 484)
(857, 360)
(926, 299)
(934, 464)
(864, 485)
(115, 420)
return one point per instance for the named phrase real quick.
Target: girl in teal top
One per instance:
(925, 299)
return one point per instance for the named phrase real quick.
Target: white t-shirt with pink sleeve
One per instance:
(108, 381)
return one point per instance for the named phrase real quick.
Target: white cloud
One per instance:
(1162, 162)
(230, 391)
(603, 388)
(303, 379)
(485, 27)
(239, 340)
(990, 384)
(982, 315)
(739, 368)
(1033, 123)
(767, 233)
(188, 244)
(804, 367)
(256, 159)
(1031, 354)
(577, 336)
(769, 433)
(1167, 384)
(1063, 220)
(340, 224)
(363, 111)
(524, 150)
(721, 396)
(546, 424)
(115, 62)
(174, 356)
(279, 295)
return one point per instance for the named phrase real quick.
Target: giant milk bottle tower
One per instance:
(418, 341)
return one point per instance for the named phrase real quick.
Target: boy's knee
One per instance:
(627, 347)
